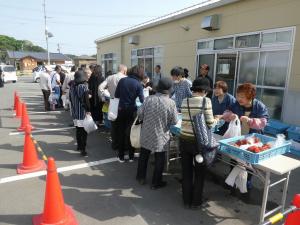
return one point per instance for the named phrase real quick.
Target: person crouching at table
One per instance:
(158, 114)
(193, 173)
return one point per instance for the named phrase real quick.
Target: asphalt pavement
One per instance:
(100, 189)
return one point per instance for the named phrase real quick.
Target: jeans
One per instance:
(158, 167)
(46, 94)
(81, 137)
(124, 122)
(193, 174)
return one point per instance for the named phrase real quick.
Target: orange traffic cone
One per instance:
(15, 100)
(55, 210)
(19, 108)
(294, 218)
(25, 119)
(31, 162)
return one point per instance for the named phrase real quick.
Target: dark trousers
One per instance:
(81, 137)
(124, 122)
(193, 174)
(158, 167)
(114, 135)
(96, 111)
(46, 94)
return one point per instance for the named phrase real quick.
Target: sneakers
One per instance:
(131, 160)
(121, 160)
(84, 154)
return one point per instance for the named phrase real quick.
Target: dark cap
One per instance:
(164, 85)
(201, 84)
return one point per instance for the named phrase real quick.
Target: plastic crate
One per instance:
(294, 133)
(295, 148)
(275, 127)
(250, 157)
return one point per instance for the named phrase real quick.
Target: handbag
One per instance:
(135, 134)
(113, 109)
(205, 141)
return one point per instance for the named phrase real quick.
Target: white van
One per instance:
(9, 73)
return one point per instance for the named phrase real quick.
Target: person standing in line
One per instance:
(156, 76)
(204, 69)
(66, 84)
(80, 107)
(193, 173)
(186, 75)
(127, 91)
(181, 87)
(110, 84)
(158, 114)
(45, 84)
(96, 103)
(55, 85)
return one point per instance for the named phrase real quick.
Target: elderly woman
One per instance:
(80, 107)
(158, 113)
(193, 173)
(221, 101)
(252, 113)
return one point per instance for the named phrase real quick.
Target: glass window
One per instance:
(133, 53)
(273, 68)
(149, 67)
(273, 99)
(277, 37)
(140, 52)
(225, 43)
(206, 45)
(248, 67)
(149, 51)
(134, 62)
(247, 41)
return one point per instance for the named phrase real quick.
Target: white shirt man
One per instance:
(45, 84)
(112, 81)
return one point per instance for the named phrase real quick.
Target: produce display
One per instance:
(252, 144)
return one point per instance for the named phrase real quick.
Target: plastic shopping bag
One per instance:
(234, 129)
(135, 134)
(65, 101)
(89, 124)
(113, 109)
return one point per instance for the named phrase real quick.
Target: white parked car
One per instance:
(9, 73)
(37, 72)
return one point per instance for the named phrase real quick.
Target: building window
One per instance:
(109, 63)
(224, 43)
(247, 41)
(205, 45)
(277, 37)
(147, 58)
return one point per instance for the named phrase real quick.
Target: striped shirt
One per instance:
(195, 104)
(158, 113)
(77, 97)
(182, 90)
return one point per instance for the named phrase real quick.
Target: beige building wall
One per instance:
(111, 46)
(240, 17)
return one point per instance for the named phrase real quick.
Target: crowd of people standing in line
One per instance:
(87, 90)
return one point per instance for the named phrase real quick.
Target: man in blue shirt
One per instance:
(128, 89)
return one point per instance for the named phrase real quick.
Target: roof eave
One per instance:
(168, 18)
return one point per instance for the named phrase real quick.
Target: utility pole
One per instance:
(46, 32)
(58, 48)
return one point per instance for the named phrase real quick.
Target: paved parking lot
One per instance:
(105, 192)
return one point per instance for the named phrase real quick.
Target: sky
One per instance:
(76, 24)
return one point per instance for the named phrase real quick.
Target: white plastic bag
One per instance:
(89, 124)
(135, 134)
(234, 129)
(113, 109)
(65, 101)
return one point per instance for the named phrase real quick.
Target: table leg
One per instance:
(265, 197)
(285, 189)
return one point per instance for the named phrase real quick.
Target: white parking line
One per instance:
(59, 170)
(41, 130)
(48, 112)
